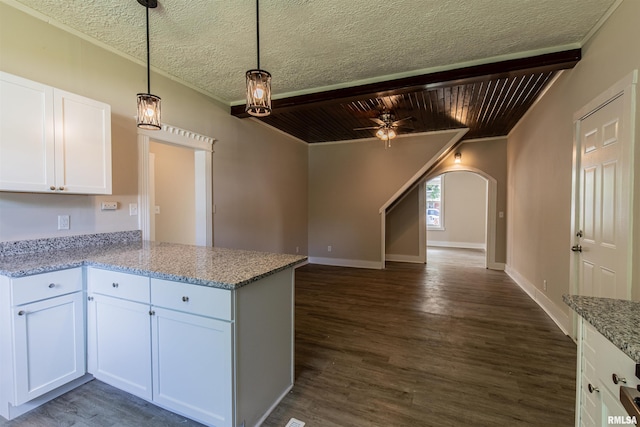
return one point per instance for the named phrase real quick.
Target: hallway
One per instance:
(446, 344)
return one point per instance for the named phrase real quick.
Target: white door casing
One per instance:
(603, 192)
(203, 147)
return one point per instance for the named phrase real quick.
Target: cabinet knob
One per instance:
(21, 313)
(151, 312)
(52, 285)
(90, 298)
(52, 188)
(616, 379)
(185, 299)
(592, 388)
(115, 285)
(61, 188)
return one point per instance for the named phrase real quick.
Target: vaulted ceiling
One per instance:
(336, 63)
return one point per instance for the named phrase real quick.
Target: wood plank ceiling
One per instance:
(489, 99)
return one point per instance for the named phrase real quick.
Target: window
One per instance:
(435, 205)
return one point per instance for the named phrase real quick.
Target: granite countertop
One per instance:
(199, 265)
(618, 320)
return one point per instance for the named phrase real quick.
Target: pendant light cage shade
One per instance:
(258, 93)
(149, 111)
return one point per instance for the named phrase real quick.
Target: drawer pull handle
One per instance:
(52, 285)
(592, 389)
(616, 379)
(185, 299)
(21, 313)
(151, 312)
(115, 285)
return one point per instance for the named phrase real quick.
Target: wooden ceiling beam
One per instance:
(547, 62)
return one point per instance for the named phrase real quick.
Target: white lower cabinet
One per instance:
(192, 365)
(602, 370)
(158, 339)
(119, 349)
(42, 334)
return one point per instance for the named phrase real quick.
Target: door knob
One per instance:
(576, 248)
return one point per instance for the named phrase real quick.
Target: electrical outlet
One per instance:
(329, 248)
(133, 209)
(157, 210)
(544, 284)
(109, 206)
(63, 222)
(297, 249)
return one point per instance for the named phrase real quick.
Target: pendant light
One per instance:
(148, 104)
(258, 82)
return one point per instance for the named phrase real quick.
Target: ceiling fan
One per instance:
(387, 126)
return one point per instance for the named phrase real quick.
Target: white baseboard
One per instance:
(340, 262)
(500, 266)
(553, 311)
(404, 258)
(460, 245)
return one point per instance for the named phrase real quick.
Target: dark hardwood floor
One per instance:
(447, 344)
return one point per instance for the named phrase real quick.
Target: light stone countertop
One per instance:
(199, 265)
(618, 320)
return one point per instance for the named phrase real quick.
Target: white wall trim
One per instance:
(600, 22)
(499, 266)
(561, 319)
(461, 245)
(341, 262)
(415, 259)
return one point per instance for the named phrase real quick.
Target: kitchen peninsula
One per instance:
(204, 332)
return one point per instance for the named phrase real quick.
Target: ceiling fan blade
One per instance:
(377, 120)
(403, 120)
(367, 128)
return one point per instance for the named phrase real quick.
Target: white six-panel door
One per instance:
(603, 208)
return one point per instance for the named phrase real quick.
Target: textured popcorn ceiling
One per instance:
(312, 44)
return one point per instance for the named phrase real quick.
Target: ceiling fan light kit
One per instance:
(258, 82)
(149, 110)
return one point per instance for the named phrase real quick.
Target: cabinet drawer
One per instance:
(119, 285)
(46, 285)
(610, 360)
(196, 299)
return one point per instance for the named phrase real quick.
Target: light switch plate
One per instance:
(133, 209)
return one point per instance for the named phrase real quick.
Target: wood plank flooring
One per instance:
(446, 344)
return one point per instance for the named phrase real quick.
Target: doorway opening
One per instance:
(475, 194)
(456, 211)
(198, 216)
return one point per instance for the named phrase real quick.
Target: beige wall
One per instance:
(350, 182)
(465, 212)
(175, 193)
(39, 51)
(540, 158)
(402, 241)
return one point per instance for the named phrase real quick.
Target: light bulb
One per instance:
(391, 134)
(149, 112)
(258, 92)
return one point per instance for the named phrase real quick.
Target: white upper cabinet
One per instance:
(52, 141)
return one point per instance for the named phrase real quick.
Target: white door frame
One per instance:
(625, 88)
(203, 148)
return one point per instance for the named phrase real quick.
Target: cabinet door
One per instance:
(26, 135)
(192, 368)
(119, 343)
(82, 143)
(49, 345)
